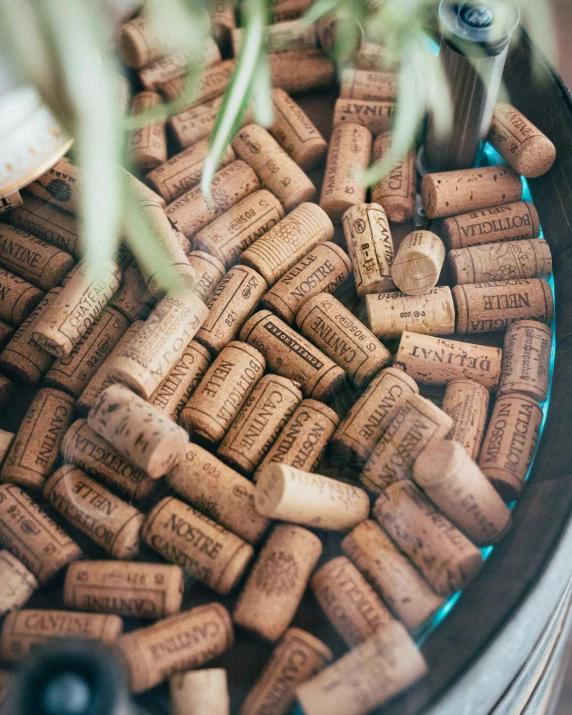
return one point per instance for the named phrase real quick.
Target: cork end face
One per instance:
(509, 491)
(537, 160)
(128, 47)
(127, 544)
(329, 384)
(235, 569)
(168, 452)
(429, 195)
(437, 462)
(269, 493)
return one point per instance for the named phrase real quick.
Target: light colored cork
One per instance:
(35, 447)
(194, 124)
(201, 547)
(349, 153)
(225, 496)
(175, 644)
(18, 298)
(138, 43)
(454, 192)
(277, 581)
(487, 307)
(141, 192)
(396, 191)
(6, 439)
(290, 355)
(297, 657)
(375, 116)
(467, 403)
(200, 691)
(528, 150)
(526, 359)
(176, 65)
(373, 56)
(418, 262)
(447, 559)
(510, 442)
(60, 185)
(131, 588)
(213, 83)
(132, 299)
(301, 71)
(48, 222)
(10, 201)
(209, 271)
(368, 86)
(106, 519)
(287, 36)
(18, 584)
(286, 243)
(147, 146)
(370, 245)
(431, 313)
(438, 361)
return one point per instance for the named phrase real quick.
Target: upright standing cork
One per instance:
(524, 146)
(35, 448)
(91, 453)
(137, 430)
(431, 313)
(203, 548)
(367, 85)
(510, 442)
(217, 490)
(418, 262)
(17, 583)
(416, 425)
(290, 240)
(232, 233)
(196, 123)
(370, 245)
(60, 185)
(372, 414)
(467, 403)
(209, 272)
(147, 146)
(277, 581)
(375, 116)
(438, 361)
(454, 192)
(447, 559)
(486, 307)
(508, 222)
(284, 36)
(200, 691)
(290, 355)
(130, 588)
(396, 191)
(526, 359)
(186, 640)
(109, 521)
(18, 298)
(297, 657)
(259, 422)
(223, 391)
(348, 154)
(342, 337)
(140, 43)
(299, 71)
(363, 679)
(132, 299)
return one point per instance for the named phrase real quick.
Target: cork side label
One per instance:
(293, 345)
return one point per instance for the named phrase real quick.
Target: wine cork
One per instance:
(453, 482)
(18, 298)
(342, 337)
(132, 299)
(65, 321)
(144, 195)
(18, 584)
(147, 146)
(106, 519)
(447, 559)
(288, 9)
(296, 133)
(72, 373)
(175, 644)
(526, 359)
(200, 546)
(431, 313)
(6, 390)
(373, 56)
(6, 439)
(6, 334)
(223, 21)
(213, 83)
(287, 36)
(23, 632)
(508, 222)
(396, 191)
(200, 691)
(60, 185)
(418, 423)
(139, 43)
(175, 65)
(284, 245)
(438, 361)
(370, 245)
(138, 431)
(289, 354)
(32, 536)
(303, 439)
(366, 677)
(181, 381)
(223, 391)
(193, 210)
(524, 146)
(486, 307)
(289, 494)
(183, 171)
(348, 154)
(209, 272)
(84, 448)
(194, 124)
(134, 589)
(418, 262)
(277, 581)
(297, 657)
(454, 192)
(467, 403)
(270, 405)
(377, 117)
(36, 444)
(510, 442)
(217, 490)
(349, 602)
(300, 71)
(156, 348)
(368, 86)
(324, 268)
(10, 201)
(232, 233)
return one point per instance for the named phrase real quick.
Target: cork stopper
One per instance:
(213, 83)
(18, 583)
(175, 65)
(282, 36)
(375, 116)
(467, 403)
(60, 185)
(208, 270)
(301, 71)
(396, 191)
(138, 43)
(18, 298)
(200, 691)
(526, 359)
(418, 262)
(367, 85)
(10, 201)
(147, 146)
(6, 439)
(196, 123)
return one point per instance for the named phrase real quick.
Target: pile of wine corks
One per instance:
(181, 460)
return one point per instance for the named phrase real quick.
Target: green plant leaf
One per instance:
(262, 93)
